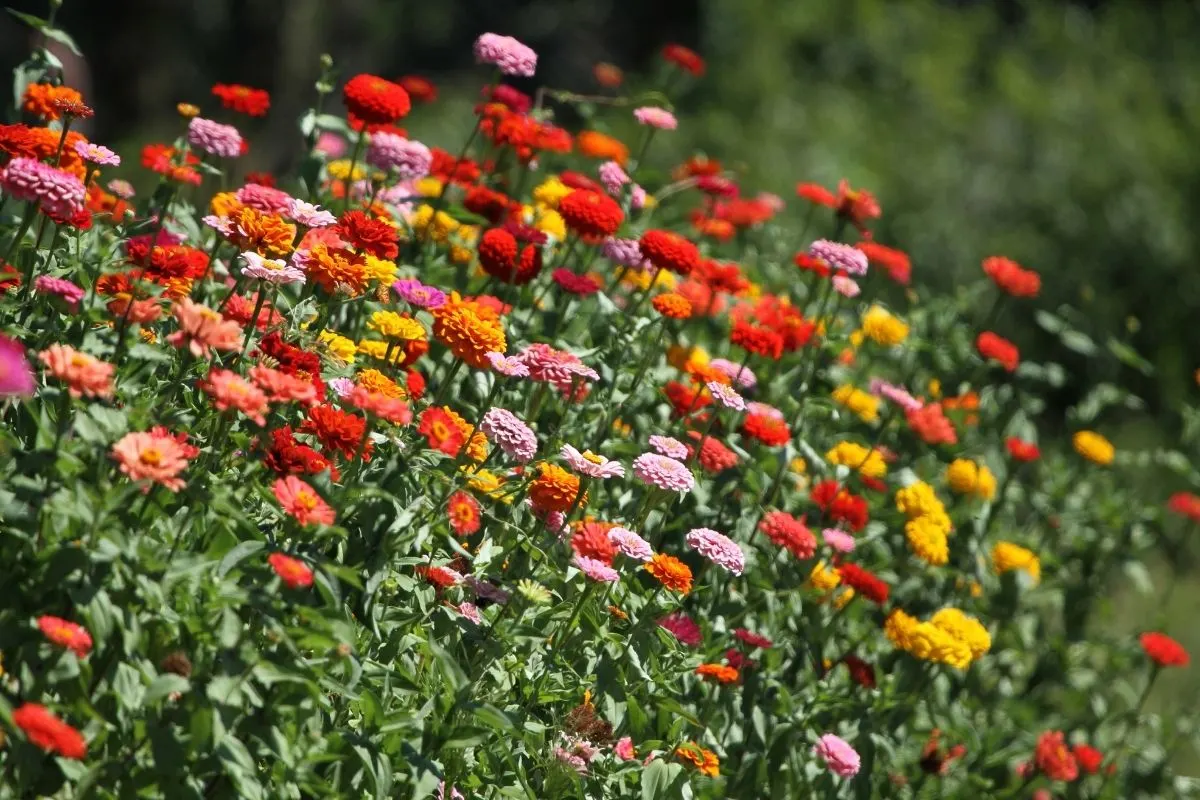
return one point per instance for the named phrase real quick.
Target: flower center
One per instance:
(306, 500)
(152, 456)
(592, 457)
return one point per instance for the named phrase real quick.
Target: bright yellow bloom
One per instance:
(487, 483)
(550, 191)
(547, 220)
(428, 187)
(187, 110)
(1094, 447)
(853, 455)
(856, 338)
(338, 346)
(972, 478)
(935, 388)
(687, 359)
(927, 539)
(443, 224)
(898, 628)
(964, 628)
(918, 500)
(397, 327)
(622, 428)
(379, 269)
(798, 465)
(640, 279)
(1007, 556)
(882, 328)
(223, 204)
(340, 170)
(863, 404)
(377, 348)
(823, 578)
(843, 597)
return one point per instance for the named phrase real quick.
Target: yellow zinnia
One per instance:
(863, 404)
(1007, 557)
(971, 478)
(1094, 447)
(853, 455)
(881, 327)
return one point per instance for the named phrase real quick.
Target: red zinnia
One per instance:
(714, 456)
(591, 214)
(66, 634)
(374, 100)
(286, 456)
(503, 257)
(840, 505)
(789, 533)
(440, 431)
(1054, 759)
(366, 234)
(1021, 450)
(243, 99)
(685, 58)
(591, 540)
(1011, 278)
(488, 203)
(292, 571)
(931, 425)
(686, 399)
(49, 732)
(864, 582)
(338, 431)
(752, 639)
(420, 89)
(463, 511)
(1088, 757)
(581, 285)
(1186, 504)
(860, 671)
(669, 250)
(771, 431)
(996, 348)
(757, 339)
(895, 262)
(1163, 650)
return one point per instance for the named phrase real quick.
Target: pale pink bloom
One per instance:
(97, 154)
(63, 289)
(508, 367)
(470, 611)
(664, 473)
(897, 394)
(590, 464)
(763, 410)
(845, 286)
(201, 328)
(577, 754)
(839, 257)
(613, 177)
(740, 374)
(838, 755)
(718, 548)
(637, 197)
(84, 375)
(16, 376)
(330, 145)
(56, 192)
(222, 225)
(408, 159)
(630, 544)
(301, 501)
(656, 118)
(309, 215)
(271, 270)
(342, 386)
(281, 387)
(623, 749)
(266, 199)
(230, 390)
(668, 446)
(510, 433)
(726, 395)
(596, 570)
(512, 57)
(121, 188)
(214, 138)
(838, 539)
(150, 457)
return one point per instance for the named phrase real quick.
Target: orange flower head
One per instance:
(469, 330)
(292, 571)
(601, 146)
(335, 269)
(721, 673)
(44, 100)
(672, 573)
(608, 75)
(704, 760)
(269, 235)
(554, 489)
(673, 305)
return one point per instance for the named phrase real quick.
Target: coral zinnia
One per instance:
(672, 573)
(302, 502)
(1011, 277)
(996, 348)
(154, 457)
(685, 58)
(668, 250)
(463, 512)
(49, 732)
(440, 431)
(243, 99)
(719, 672)
(789, 533)
(292, 571)
(374, 100)
(66, 634)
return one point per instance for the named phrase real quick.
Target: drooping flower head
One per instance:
(718, 548)
(214, 138)
(655, 117)
(506, 53)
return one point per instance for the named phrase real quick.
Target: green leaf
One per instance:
(37, 23)
(237, 555)
(63, 38)
(165, 685)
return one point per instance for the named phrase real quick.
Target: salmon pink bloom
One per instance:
(230, 390)
(509, 367)
(16, 377)
(302, 502)
(292, 571)
(85, 376)
(66, 634)
(630, 544)
(202, 329)
(623, 749)
(154, 457)
(656, 118)
(281, 387)
(596, 570)
(718, 548)
(509, 55)
(379, 405)
(663, 473)
(838, 755)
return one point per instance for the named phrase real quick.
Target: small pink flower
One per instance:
(214, 138)
(222, 225)
(266, 199)
(97, 154)
(683, 628)
(738, 373)
(470, 611)
(668, 446)
(623, 749)
(408, 159)
(838, 755)
(839, 540)
(415, 293)
(121, 188)
(656, 118)
(331, 145)
(512, 57)
(510, 433)
(626, 252)
(726, 395)
(302, 502)
(16, 376)
(840, 257)
(230, 390)
(309, 215)
(63, 289)
(342, 386)
(763, 410)
(590, 464)
(508, 367)
(630, 544)
(663, 473)
(271, 270)
(845, 286)
(897, 394)
(613, 177)
(596, 570)
(718, 548)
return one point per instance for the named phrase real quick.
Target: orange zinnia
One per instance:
(721, 673)
(595, 144)
(670, 572)
(266, 234)
(470, 330)
(705, 760)
(554, 489)
(39, 99)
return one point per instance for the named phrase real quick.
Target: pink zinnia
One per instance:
(309, 215)
(840, 257)
(512, 57)
(470, 611)
(623, 749)
(656, 118)
(669, 446)
(415, 293)
(97, 154)
(682, 627)
(266, 199)
(201, 328)
(271, 270)
(662, 472)
(61, 288)
(230, 390)
(590, 464)
(556, 367)
(379, 405)
(754, 408)
(738, 373)
(16, 376)
(596, 569)
(897, 394)
(613, 177)
(626, 252)
(407, 158)
(630, 544)
(158, 458)
(84, 375)
(726, 395)
(56, 192)
(845, 286)
(302, 502)
(718, 548)
(332, 145)
(214, 138)
(510, 433)
(282, 387)
(839, 540)
(508, 367)
(838, 755)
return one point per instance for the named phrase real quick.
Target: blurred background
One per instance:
(1060, 134)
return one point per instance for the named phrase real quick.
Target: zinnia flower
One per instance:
(56, 192)
(672, 573)
(202, 329)
(840, 257)
(214, 138)
(16, 376)
(667, 446)
(590, 464)
(66, 634)
(508, 54)
(292, 571)
(838, 755)
(230, 390)
(630, 544)
(596, 570)
(718, 548)
(683, 628)
(510, 433)
(302, 502)
(49, 732)
(153, 457)
(1163, 650)
(996, 348)
(655, 117)
(1094, 447)
(663, 472)
(84, 375)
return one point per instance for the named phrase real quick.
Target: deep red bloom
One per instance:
(366, 234)
(752, 639)
(337, 430)
(683, 628)
(1089, 758)
(996, 348)
(508, 96)
(581, 285)
(1054, 759)
(685, 58)
(591, 214)
(1163, 650)
(415, 382)
(669, 250)
(864, 583)
(489, 203)
(286, 456)
(420, 89)
(1021, 450)
(441, 577)
(577, 180)
(686, 400)
(374, 100)
(293, 360)
(812, 264)
(243, 99)
(840, 505)
(860, 671)
(446, 167)
(780, 317)
(261, 179)
(757, 339)
(895, 263)
(770, 430)
(1011, 277)
(717, 185)
(505, 258)
(49, 732)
